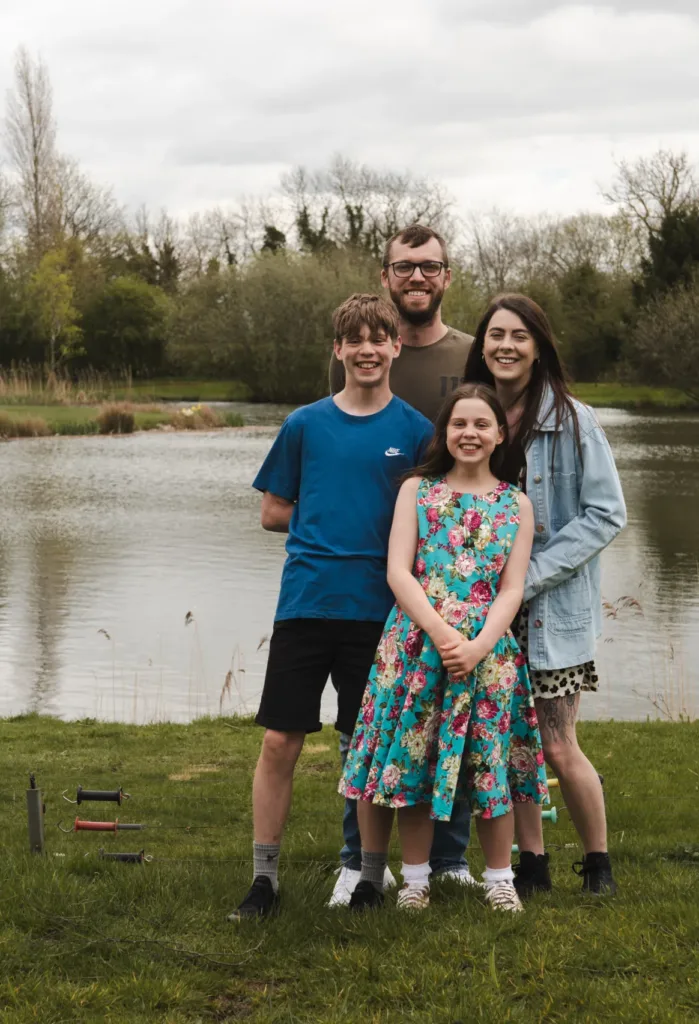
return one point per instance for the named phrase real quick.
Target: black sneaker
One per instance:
(596, 871)
(260, 901)
(366, 896)
(532, 874)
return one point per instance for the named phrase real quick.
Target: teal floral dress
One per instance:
(421, 735)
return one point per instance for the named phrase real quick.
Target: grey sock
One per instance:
(373, 867)
(265, 858)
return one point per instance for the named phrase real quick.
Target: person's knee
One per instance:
(281, 749)
(560, 754)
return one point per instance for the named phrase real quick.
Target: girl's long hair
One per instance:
(547, 370)
(438, 460)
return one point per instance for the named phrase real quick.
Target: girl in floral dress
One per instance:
(448, 709)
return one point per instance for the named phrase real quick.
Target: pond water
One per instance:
(134, 576)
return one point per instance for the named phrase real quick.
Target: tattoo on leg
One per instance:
(559, 716)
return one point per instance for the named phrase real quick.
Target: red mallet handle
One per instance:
(95, 826)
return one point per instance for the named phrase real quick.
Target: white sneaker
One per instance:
(503, 896)
(346, 883)
(461, 875)
(413, 897)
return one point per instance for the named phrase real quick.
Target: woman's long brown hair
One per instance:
(547, 370)
(438, 460)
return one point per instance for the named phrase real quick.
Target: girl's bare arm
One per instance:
(402, 547)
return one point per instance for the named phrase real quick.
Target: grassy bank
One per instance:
(29, 386)
(175, 390)
(44, 420)
(632, 396)
(82, 939)
(622, 396)
(34, 386)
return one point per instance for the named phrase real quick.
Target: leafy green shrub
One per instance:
(289, 300)
(664, 347)
(124, 325)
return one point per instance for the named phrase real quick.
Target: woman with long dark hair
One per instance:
(559, 453)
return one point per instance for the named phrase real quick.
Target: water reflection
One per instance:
(134, 574)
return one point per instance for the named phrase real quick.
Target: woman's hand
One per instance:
(460, 656)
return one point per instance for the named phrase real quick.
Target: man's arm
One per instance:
(276, 513)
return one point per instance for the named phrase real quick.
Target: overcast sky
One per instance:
(524, 104)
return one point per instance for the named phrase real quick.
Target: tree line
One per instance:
(246, 292)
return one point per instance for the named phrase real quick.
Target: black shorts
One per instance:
(302, 654)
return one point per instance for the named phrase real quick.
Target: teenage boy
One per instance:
(330, 481)
(416, 274)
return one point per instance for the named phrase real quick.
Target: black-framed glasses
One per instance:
(405, 268)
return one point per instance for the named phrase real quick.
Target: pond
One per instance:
(136, 583)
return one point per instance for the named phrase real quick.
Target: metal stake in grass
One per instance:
(35, 817)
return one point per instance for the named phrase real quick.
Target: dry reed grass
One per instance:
(39, 385)
(116, 418)
(32, 426)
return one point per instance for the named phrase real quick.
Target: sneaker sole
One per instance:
(237, 918)
(525, 894)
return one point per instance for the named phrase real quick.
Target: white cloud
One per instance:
(184, 104)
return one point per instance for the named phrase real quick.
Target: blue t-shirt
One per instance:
(343, 473)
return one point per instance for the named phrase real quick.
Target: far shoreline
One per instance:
(147, 403)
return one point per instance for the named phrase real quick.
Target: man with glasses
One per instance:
(431, 364)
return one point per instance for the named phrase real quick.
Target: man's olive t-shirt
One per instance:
(421, 375)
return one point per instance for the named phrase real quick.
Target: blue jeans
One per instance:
(450, 837)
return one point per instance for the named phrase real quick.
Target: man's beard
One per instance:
(419, 317)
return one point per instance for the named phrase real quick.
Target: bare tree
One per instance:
(610, 244)
(503, 250)
(653, 187)
(196, 249)
(227, 236)
(5, 204)
(80, 209)
(350, 204)
(30, 133)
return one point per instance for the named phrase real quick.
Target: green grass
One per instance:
(31, 392)
(616, 395)
(76, 419)
(175, 390)
(631, 396)
(82, 419)
(625, 396)
(85, 940)
(31, 387)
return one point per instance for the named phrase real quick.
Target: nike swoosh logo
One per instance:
(393, 451)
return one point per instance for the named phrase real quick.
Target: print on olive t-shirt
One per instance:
(421, 375)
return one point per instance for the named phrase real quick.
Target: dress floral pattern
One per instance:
(421, 735)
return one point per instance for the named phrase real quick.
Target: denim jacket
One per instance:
(577, 512)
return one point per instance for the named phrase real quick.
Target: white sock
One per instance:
(491, 876)
(416, 874)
